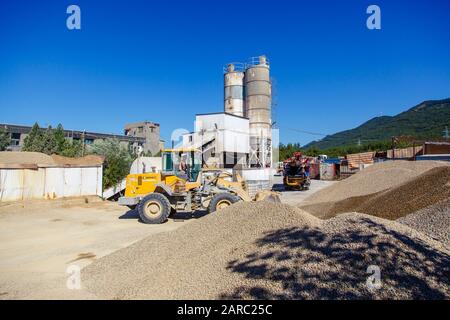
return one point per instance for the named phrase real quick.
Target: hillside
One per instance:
(426, 120)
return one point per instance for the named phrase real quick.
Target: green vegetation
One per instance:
(5, 139)
(33, 141)
(51, 141)
(286, 151)
(424, 121)
(344, 150)
(117, 160)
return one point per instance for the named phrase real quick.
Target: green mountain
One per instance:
(426, 120)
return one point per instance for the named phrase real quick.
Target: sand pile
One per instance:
(81, 161)
(416, 193)
(376, 178)
(10, 159)
(267, 250)
(17, 157)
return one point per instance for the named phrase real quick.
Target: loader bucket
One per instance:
(266, 195)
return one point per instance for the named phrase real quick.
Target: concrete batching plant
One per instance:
(241, 136)
(248, 93)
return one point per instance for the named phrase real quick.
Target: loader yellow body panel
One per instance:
(144, 183)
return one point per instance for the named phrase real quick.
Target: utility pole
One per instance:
(393, 147)
(446, 133)
(83, 142)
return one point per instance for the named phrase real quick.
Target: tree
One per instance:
(286, 151)
(72, 149)
(66, 147)
(60, 139)
(33, 141)
(117, 160)
(312, 152)
(5, 139)
(51, 141)
(48, 143)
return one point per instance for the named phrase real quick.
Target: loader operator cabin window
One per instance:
(167, 162)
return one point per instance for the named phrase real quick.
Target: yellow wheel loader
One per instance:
(183, 185)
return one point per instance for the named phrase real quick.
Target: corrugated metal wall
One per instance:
(357, 159)
(49, 183)
(405, 153)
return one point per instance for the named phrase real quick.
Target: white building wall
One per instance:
(54, 182)
(49, 183)
(221, 121)
(11, 184)
(151, 164)
(231, 133)
(33, 184)
(88, 175)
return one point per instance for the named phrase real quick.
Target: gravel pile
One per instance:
(274, 251)
(433, 221)
(376, 178)
(417, 193)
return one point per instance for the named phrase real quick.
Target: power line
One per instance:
(308, 132)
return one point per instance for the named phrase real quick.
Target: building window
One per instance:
(15, 139)
(140, 129)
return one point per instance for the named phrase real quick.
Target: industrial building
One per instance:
(142, 134)
(241, 135)
(149, 131)
(222, 137)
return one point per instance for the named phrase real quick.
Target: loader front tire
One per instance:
(221, 201)
(154, 208)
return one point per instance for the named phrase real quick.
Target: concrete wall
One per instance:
(149, 131)
(146, 164)
(50, 183)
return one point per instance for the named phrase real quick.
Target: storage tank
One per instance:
(258, 96)
(234, 89)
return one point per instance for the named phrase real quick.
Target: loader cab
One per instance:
(183, 163)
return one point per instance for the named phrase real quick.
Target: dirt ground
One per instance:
(297, 197)
(39, 240)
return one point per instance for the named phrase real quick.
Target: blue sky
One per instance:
(162, 61)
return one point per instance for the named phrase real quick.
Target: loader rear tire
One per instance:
(221, 201)
(154, 208)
